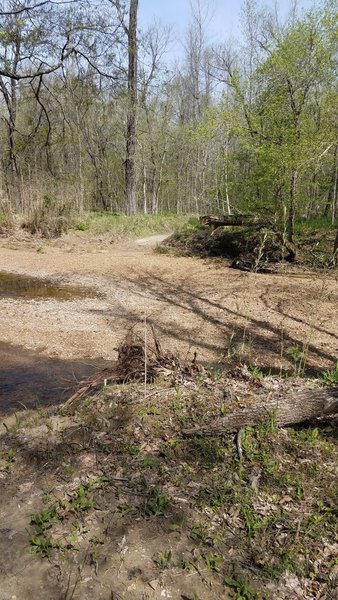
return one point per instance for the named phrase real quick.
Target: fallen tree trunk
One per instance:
(232, 221)
(249, 221)
(297, 408)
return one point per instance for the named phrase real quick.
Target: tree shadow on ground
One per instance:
(30, 380)
(268, 341)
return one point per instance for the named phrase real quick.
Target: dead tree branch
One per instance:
(297, 408)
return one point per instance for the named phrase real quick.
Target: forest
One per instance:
(95, 116)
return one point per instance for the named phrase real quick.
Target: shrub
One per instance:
(50, 219)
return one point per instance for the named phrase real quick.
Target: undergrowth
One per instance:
(253, 522)
(50, 218)
(120, 226)
(255, 248)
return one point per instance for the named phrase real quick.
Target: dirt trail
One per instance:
(194, 305)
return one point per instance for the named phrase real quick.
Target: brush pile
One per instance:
(138, 361)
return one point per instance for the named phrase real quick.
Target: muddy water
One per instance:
(24, 286)
(28, 380)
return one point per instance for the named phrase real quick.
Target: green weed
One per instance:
(256, 372)
(43, 545)
(79, 501)
(241, 590)
(298, 357)
(163, 559)
(199, 532)
(82, 225)
(330, 377)
(155, 503)
(148, 462)
(212, 560)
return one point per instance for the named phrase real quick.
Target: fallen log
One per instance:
(250, 221)
(299, 407)
(233, 221)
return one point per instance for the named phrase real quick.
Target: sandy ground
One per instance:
(195, 305)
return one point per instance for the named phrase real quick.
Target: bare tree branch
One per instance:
(23, 9)
(40, 70)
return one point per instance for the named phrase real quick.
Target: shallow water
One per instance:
(13, 285)
(29, 380)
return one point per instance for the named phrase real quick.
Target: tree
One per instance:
(285, 99)
(132, 110)
(28, 52)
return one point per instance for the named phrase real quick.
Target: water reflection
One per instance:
(13, 285)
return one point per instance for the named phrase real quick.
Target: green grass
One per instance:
(313, 224)
(330, 377)
(242, 521)
(121, 226)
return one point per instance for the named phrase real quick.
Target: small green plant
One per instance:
(148, 462)
(79, 501)
(177, 407)
(255, 371)
(199, 532)
(253, 522)
(10, 459)
(208, 450)
(298, 357)
(40, 542)
(42, 545)
(223, 410)
(163, 559)
(330, 377)
(125, 509)
(155, 503)
(10, 455)
(82, 225)
(241, 590)
(47, 495)
(213, 560)
(45, 519)
(133, 450)
(179, 525)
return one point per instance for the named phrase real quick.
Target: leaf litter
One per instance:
(122, 504)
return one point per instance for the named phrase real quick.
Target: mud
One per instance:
(13, 285)
(30, 380)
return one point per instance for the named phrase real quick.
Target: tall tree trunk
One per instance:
(226, 170)
(334, 193)
(80, 200)
(132, 111)
(144, 188)
(335, 245)
(13, 175)
(292, 207)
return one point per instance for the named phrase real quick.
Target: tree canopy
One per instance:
(88, 104)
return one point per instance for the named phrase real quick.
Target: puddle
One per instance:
(28, 380)
(25, 286)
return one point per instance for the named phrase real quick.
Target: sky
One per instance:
(224, 17)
